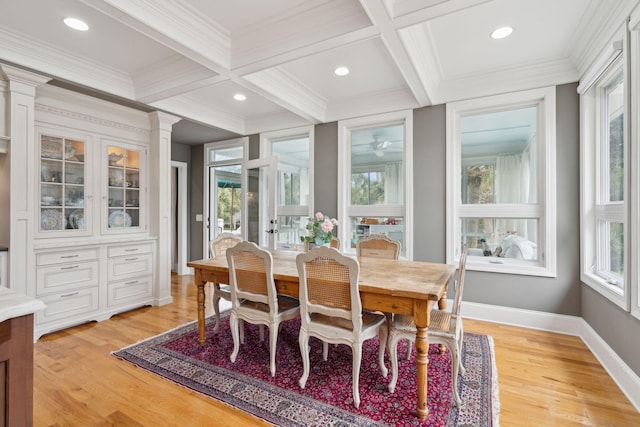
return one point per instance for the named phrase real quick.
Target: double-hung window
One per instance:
(604, 177)
(374, 179)
(501, 182)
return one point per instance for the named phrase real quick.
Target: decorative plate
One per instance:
(69, 150)
(51, 148)
(119, 219)
(76, 219)
(51, 219)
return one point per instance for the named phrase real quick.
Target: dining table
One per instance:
(391, 286)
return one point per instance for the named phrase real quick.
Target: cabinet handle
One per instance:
(70, 256)
(69, 295)
(70, 267)
(131, 250)
(131, 283)
(131, 259)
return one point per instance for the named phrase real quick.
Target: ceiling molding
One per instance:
(175, 25)
(281, 88)
(395, 48)
(523, 77)
(273, 122)
(55, 62)
(418, 43)
(282, 34)
(172, 77)
(193, 108)
(373, 103)
(412, 12)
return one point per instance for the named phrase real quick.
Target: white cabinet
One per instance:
(130, 274)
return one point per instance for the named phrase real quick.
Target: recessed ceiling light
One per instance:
(76, 24)
(341, 71)
(501, 33)
(239, 97)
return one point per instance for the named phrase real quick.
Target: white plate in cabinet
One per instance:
(65, 277)
(68, 305)
(130, 291)
(139, 248)
(122, 268)
(57, 257)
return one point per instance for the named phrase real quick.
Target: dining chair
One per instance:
(254, 298)
(378, 246)
(218, 248)
(444, 328)
(331, 310)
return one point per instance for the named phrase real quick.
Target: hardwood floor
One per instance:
(545, 379)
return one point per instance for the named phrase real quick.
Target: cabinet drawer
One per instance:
(129, 291)
(126, 267)
(67, 305)
(64, 277)
(57, 257)
(131, 249)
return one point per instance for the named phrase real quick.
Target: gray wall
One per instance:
(196, 179)
(325, 178)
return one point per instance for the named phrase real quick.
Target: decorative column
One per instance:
(22, 149)
(160, 201)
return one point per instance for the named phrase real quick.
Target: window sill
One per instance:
(600, 285)
(509, 266)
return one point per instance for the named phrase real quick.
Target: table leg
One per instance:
(200, 298)
(421, 314)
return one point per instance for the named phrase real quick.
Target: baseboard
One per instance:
(619, 371)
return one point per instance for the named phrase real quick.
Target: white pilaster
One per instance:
(21, 101)
(160, 200)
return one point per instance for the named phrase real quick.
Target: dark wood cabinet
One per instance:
(16, 371)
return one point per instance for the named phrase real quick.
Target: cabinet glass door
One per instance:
(62, 184)
(124, 187)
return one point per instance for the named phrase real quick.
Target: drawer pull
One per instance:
(131, 250)
(131, 259)
(71, 267)
(69, 295)
(131, 283)
(70, 256)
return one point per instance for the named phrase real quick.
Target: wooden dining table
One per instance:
(390, 286)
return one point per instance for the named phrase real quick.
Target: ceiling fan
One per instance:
(379, 146)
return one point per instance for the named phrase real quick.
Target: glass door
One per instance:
(262, 222)
(124, 165)
(62, 184)
(226, 200)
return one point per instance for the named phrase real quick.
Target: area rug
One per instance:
(327, 400)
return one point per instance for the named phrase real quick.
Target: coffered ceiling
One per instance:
(190, 57)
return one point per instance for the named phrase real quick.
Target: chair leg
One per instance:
(216, 308)
(382, 338)
(303, 340)
(233, 322)
(393, 355)
(273, 340)
(241, 324)
(409, 346)
(261, 333)
(325, 351)
(357, 360)
(455, 363)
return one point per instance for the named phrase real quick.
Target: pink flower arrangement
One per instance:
(320, 229)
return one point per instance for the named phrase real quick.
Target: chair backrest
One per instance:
(251, 275)
(220, 244)
(329, 287)
(378, 246)
(459, 283)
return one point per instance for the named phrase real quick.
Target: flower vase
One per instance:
(310, 245)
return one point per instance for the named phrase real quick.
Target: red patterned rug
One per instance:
(326, 400)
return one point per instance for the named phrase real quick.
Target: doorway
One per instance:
(179, 218)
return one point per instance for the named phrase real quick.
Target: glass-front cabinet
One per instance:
(125, 163)
(62, 196)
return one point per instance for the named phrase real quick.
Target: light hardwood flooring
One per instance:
(545, 379)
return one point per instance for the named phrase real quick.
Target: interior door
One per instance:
(261, 215)
(225, 200)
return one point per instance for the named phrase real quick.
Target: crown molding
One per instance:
(283, 89)
(54, 62)
(372, 103)
(195, 109)
(176, 25)
(523, 77)
(273, 122)
(418, 42)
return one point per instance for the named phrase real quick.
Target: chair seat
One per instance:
(438, 321)
(285, 303)
(369, 319)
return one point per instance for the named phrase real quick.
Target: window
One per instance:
(501, 182)
(374, 178)
(604, 175)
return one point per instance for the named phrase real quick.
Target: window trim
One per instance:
(544, 210)
(592, 209)
(345, 210)
(634, 202)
